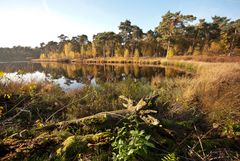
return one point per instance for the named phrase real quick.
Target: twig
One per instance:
(15, 106)
(65, 107)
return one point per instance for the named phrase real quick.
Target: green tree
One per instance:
(171, 26)
(230, 36)
(125, 31)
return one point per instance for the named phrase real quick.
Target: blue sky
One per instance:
(30, 22)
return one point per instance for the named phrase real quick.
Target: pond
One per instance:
(70, 76)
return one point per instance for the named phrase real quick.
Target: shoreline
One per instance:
(146, 60)
(186, 63)
(107, 60)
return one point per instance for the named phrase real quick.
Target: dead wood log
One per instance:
(145, 109)
(107, 120)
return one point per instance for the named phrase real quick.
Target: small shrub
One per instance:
(126, 53)
(131, 143)
(215, 48)
(170, 157)
(170, 52)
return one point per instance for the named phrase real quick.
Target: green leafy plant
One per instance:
(131, 143)
(231, 129)
(170, 157)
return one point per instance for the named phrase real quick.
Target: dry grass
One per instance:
(209, 58)
(22, 87)
(214, 89)
(218, 86)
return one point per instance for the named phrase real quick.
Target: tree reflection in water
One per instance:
(72, 76)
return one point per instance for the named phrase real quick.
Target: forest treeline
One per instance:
(176, 34)
(18, 53)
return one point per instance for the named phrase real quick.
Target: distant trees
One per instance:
(19, 53)
(176, 34)
(150, 45)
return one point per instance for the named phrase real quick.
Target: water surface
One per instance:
(73, 76)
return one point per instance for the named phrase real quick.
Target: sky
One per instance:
(30, 22)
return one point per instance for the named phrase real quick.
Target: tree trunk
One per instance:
(232, 43)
